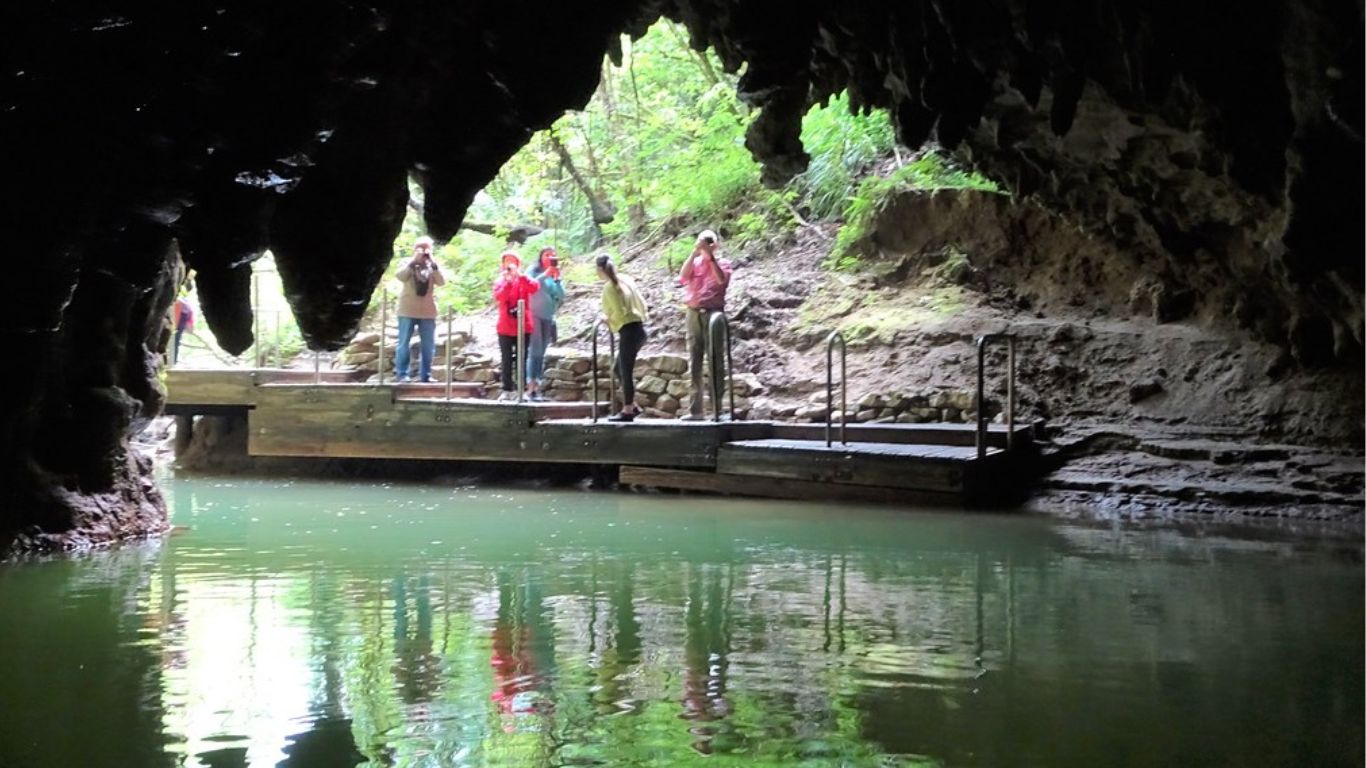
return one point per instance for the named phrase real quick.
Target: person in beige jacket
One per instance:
(417, 308)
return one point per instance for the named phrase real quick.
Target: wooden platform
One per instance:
(289, 414)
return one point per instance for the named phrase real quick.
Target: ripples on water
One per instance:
(337, 625)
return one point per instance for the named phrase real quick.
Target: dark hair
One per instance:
(604, 263)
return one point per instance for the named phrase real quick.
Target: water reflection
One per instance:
(326, 625)
(705, 651)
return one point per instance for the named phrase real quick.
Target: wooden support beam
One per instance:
(918, 467)
(780, 488)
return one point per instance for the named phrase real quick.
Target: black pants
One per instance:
(508, 346)
(631, 338)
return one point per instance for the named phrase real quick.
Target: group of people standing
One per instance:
(532, 298)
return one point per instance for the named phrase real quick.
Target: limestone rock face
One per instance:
(1221, 149)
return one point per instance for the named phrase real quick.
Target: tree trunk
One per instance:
(603, 210)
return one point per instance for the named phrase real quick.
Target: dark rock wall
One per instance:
(1223, 146)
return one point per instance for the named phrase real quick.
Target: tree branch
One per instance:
(513, 233)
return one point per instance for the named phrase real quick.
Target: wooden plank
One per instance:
(417, 389)
(936, 434)
(190, 387)
(878, 464)
(236, 386)
(532, 411)
(306, 376)
(780, 488)
(324, 397)
(464, 430)
(657, 443)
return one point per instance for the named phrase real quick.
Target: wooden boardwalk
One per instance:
(294, 413)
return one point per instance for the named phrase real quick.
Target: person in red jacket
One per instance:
(511, 287)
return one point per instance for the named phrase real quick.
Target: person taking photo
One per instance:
(544, 303)
(704, 278)
(417, 309)
(512, 291)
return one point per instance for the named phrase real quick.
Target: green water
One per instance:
(312, 624)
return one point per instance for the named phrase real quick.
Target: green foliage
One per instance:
(930, 170)
(662, 144)
(842, 145)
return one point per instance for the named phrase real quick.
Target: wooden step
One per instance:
(938, 468)
(929, 434)
(409, 390)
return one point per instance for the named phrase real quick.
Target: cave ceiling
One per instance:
(1203, 133)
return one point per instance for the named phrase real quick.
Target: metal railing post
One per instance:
(450, 318)
(521, 348)
(981, 433)
(830, 387)
(612, 369)
(719, 322)
(383, 327)
(256, 315)
(317, 369)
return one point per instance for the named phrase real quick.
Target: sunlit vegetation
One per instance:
(929, 171)
(659, 149)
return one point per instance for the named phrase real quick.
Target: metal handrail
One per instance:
(521, 348)
(982, 342)
(719, 320)
(383, 328)
(830, 387)
(612, 369)
(279, 354)
(450, 318)
(256, 316)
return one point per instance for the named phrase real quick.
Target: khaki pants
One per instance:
(698, 321)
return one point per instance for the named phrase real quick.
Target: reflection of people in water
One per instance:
(623, 650)
(706, 651)
(416, 668)
(523, 656)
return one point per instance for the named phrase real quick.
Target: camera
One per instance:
(555, 262)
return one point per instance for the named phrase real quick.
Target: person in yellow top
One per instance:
(626, 315)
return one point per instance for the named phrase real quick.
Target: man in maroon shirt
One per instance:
(704, 278)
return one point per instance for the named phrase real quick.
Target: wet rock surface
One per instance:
(1224, 150)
